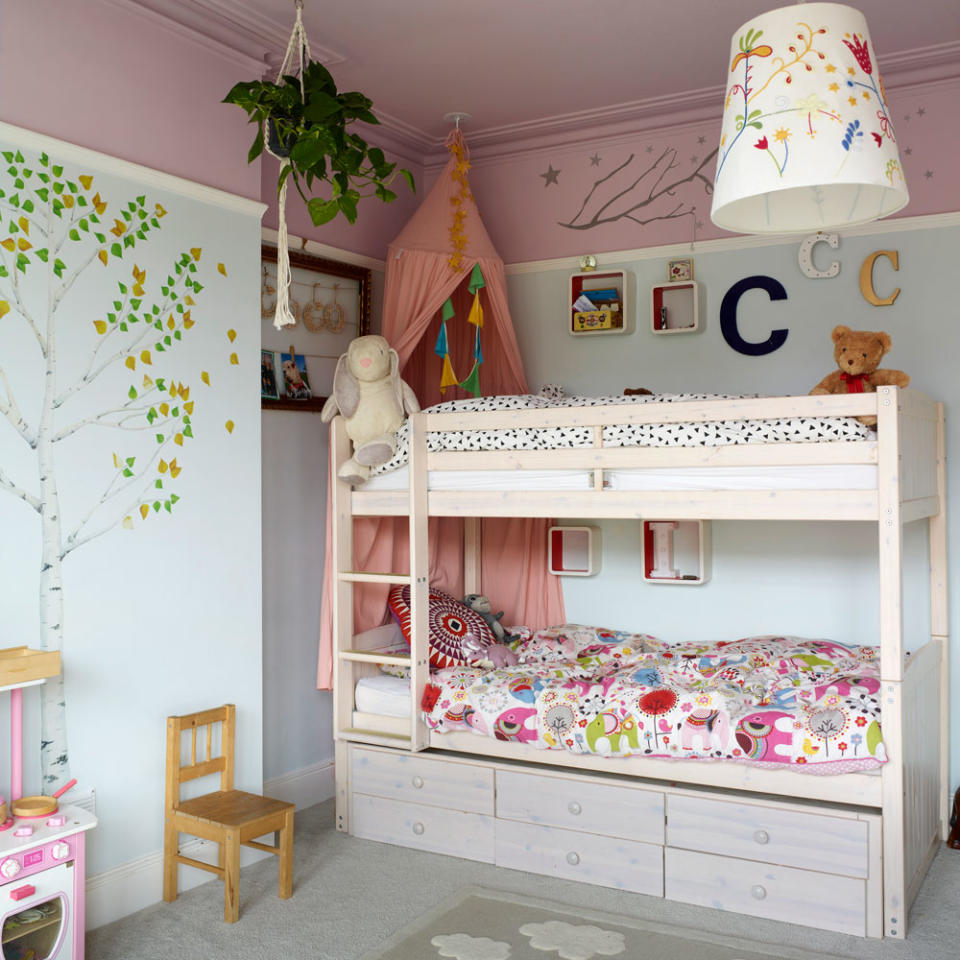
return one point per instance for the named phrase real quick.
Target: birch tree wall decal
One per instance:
(55, 228)
(641, 196)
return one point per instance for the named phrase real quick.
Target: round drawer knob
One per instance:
(574, 808)
(758, 892)
(573, 858)
(418, 828)
(761, 836)
(417, 782)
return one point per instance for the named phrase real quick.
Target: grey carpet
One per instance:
(350, 896)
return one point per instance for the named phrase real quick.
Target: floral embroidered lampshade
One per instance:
(807, 141)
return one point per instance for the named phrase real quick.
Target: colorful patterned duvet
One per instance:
(812, 704)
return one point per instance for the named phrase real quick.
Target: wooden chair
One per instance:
(228, 817)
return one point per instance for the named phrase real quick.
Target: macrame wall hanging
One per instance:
(298, 47)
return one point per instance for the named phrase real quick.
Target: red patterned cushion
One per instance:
(455, 631)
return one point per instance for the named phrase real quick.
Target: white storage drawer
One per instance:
(602, 808)
(434, 829)
(605, 861)
(765, 890)
(399, 776)
(812, 841)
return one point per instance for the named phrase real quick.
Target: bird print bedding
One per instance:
(812, 705)
(693, 434)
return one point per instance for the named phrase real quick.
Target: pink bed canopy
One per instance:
(430, 262)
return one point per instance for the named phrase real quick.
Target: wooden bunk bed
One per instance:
(845, 852)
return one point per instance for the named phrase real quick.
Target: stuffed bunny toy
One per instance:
(373, 400)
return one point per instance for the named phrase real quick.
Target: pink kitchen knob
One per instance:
(9, 868)
(60, 851)
(57, 821)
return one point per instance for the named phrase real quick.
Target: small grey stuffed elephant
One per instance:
(479, 603)
(368, 392)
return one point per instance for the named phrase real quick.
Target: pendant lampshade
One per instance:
(807, 141)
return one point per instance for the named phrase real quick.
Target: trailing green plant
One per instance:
(310, 131)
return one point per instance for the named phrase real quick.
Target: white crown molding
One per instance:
(725, 244)
(326, 251)
(72, 153)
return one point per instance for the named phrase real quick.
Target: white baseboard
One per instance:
(123, 890)
(304, 787)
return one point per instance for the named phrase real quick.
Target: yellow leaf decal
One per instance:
(144, 510)
(174, 469)
(23, 243)
(8, 244)
(229, 426)
(147, 382)
(128, 523)
(171, 323)
(164, 408)
(103, 257)
(145, 357)
(137, 290)
(162, 466)
(86, 180)
(24, 225)
(131, 363)
(184, 392)
(178, 439)
(138, 274)
(189, 301)
(119, 228)
(231, 335)
(98, 204)
(189, 408)
(205, 377)
(160, 211)
(234, 359)
(173, 389)
(100, 326)
(68, 201)
(195, 252)
(5, 308)
(222, 269)
(116, 462)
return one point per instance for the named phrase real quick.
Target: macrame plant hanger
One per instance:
(299, 47)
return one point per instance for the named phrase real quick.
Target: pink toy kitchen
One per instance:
(42, 860)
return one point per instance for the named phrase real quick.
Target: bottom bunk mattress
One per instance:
(810, 704)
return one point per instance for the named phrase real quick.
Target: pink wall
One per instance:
(377, 223)
(524, 213)
(103, 76)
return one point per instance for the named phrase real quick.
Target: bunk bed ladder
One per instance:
(350, 663)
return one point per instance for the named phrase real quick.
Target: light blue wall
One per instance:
(808, 579)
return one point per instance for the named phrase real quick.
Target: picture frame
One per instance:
(331, 301)
(678, 270)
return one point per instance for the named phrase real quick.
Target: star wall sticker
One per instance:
(906, 117)
(908, 152)
(650, 148)
(701, 140)
(921, 111)
(550, 176)
(694, 159)
(698, 224)
(595, 160)
(928, 174)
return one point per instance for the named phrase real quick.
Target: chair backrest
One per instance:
(203, 764)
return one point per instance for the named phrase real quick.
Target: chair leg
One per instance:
(286, 856)
(231, 876)
(171, 838)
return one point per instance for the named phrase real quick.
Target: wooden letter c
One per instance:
(866, 278)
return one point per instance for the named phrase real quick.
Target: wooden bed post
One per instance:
(939, 620)
(419, 578)
(891, 659)
(472, 545)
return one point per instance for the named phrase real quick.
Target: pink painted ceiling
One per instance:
(517, 64)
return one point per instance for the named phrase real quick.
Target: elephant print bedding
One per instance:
(810, 704)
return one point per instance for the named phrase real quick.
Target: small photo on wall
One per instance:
(296, 385)
(268, 375)
(679, 270)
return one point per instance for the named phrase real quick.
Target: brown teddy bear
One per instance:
(858, 354)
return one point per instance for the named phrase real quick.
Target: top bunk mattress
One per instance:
(711, 433)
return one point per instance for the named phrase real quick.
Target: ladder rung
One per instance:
(361, 576)
(375, 737)
(374, 656)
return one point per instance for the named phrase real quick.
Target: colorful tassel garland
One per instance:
(448, 378)
(472, 383)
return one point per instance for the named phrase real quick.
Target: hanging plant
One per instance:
(307, 123)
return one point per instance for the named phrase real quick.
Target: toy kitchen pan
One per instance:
(40, 805)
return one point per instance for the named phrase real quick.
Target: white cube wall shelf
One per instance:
(614, 315)
(574, 551)
(676, 551)
(675, 307)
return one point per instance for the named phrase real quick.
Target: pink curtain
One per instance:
(419, 280)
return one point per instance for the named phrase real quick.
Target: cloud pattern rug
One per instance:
(480, 924)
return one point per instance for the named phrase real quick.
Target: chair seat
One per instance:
(232, 808)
